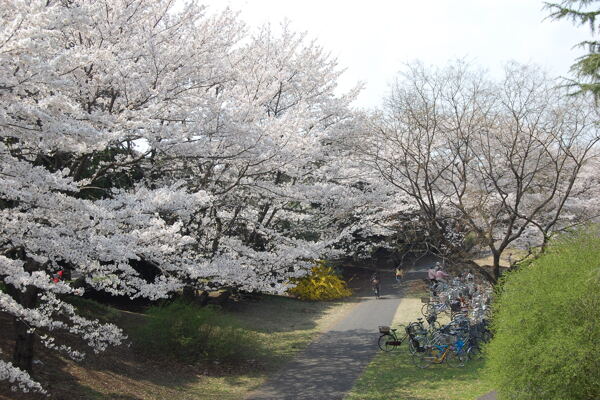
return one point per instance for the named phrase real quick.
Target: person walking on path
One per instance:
(431, 275)
(376, 284)
(440, 275)
(399, 274)
(328, 368)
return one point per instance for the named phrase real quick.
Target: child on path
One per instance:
(375, 284)
(399, 274)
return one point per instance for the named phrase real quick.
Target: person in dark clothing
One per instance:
(376, 284)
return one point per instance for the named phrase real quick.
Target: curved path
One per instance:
(328, 367)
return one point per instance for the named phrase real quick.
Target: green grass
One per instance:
(285, 325)
(394, 376)
(92, 309)
(188, 333)
(279, 326)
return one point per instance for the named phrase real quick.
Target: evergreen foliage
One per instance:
(322, 284)
(546, 323)
(587, 67)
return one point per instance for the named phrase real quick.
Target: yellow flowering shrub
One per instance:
(321, 284)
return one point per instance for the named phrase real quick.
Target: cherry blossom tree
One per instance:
(130, 131)
(259, 158)
(80, 83)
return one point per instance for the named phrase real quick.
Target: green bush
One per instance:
(323, 283)
(188, 333)
(470, 241)
(547, 325)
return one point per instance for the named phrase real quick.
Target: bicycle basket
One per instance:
(384, 329)
(424, 299)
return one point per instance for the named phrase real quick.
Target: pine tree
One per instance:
(587, 67)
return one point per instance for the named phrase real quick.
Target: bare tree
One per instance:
(497, 159)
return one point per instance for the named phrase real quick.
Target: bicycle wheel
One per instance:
(435, 326)
(376, 291)
(423, 359)
(427, 309)
(387, 342)
(416, 328)
(474, 352)
(445, 310)
(454, 359)
(417, 344)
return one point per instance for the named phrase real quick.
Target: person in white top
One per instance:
(431, 274)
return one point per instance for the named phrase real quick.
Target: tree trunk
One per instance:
(189, 294)
(24, 339)
(482, 270)
(203, 298)
(496, 265)
(23, 355)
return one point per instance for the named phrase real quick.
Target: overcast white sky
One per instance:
(372, 39)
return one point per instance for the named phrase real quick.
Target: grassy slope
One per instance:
(285, 325)
(393, 376)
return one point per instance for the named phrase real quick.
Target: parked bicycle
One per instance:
(434, 308)
(389, 340)
(467, 304)
(442, 348)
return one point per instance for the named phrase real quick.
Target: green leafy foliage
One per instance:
(547, 324)
(321, 284)
(470, 241)
(189, 333)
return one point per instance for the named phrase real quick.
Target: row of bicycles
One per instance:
(458, 296)
(453, 343)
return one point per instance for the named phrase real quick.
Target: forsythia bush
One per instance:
(322, 284)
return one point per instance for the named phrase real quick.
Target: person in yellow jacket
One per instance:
(399, 274)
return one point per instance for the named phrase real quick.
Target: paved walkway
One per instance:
(328, 367)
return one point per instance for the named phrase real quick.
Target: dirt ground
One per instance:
(121, 373)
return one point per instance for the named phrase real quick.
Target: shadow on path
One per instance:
(329, 366)
(326, 370)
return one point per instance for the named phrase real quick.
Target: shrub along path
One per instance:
(329, 366)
